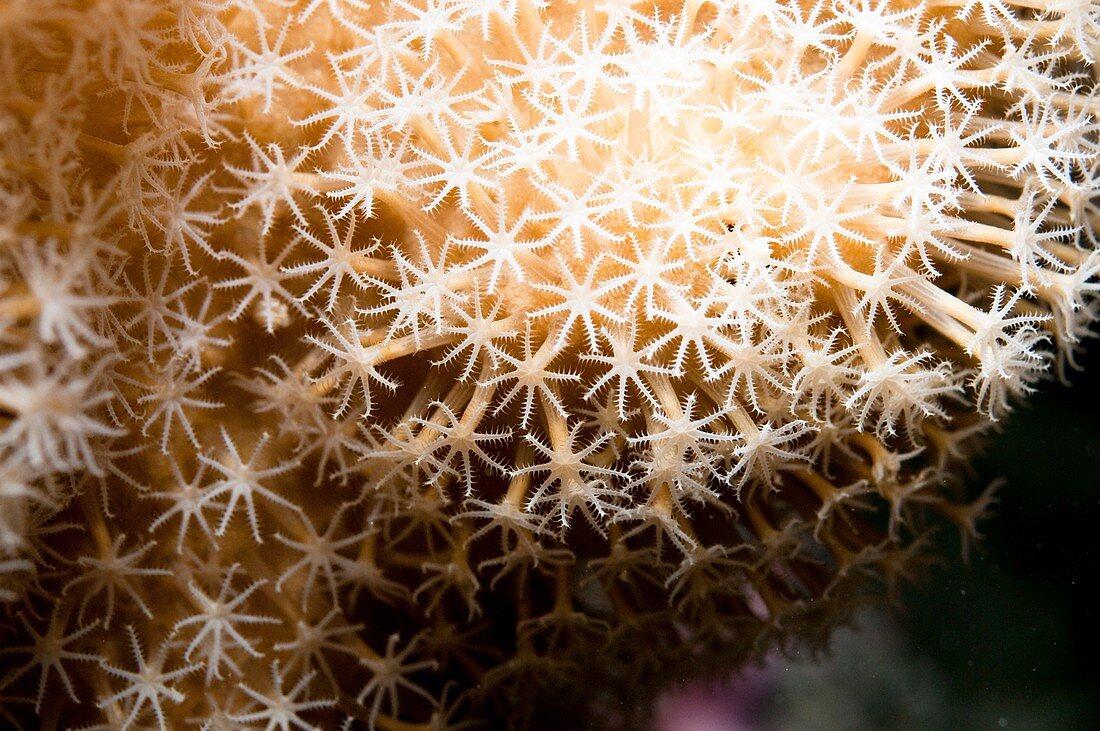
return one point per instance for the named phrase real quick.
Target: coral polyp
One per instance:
(408, 363)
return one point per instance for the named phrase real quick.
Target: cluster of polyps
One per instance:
(514, 331)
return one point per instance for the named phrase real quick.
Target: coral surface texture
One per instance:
(419, 364)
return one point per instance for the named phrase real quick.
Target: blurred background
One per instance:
(1010, 641)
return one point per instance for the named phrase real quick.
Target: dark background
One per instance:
(1010, 640)
(1016, 634)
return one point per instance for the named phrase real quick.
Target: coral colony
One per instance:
(404, 364)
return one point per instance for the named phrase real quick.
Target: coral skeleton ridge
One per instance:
(406, 364)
